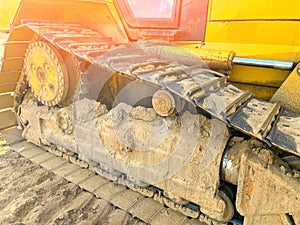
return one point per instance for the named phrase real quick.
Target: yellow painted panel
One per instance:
(254, 75)
(297, 41)
(262, 92)
(258, 76)
(248, 50)
(254, 32)
(8, 10)
(254, 9)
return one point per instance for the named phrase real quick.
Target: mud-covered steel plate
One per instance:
(285, 133)
(234, 98)
(223, 101)
(195, 86)
(255, 117)
(120, 63)
(162, 73)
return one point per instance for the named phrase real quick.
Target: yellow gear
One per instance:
(46, 73)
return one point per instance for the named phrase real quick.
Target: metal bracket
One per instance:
(288, 95)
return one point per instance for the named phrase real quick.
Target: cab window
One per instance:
(150, 13)
(152, 8)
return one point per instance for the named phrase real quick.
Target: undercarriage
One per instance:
(153, 117)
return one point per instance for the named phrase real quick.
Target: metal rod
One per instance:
(275, 64)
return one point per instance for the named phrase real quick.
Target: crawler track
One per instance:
(119, 204)
(157, 64)
(30, 194)
(268, 122)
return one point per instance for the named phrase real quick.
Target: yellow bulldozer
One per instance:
(194, 101)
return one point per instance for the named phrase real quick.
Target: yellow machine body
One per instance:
(255, 29)
(245, 27)
(8, 9)
(70, 66)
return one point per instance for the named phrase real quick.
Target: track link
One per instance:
(252, 116)
(142, 207)
(268, 122)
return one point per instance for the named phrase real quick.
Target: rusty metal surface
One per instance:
(7, 87)
(285, 133)
(265, 183)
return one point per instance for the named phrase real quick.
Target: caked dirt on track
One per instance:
(31, 195)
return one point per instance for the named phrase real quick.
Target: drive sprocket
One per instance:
(46, 73)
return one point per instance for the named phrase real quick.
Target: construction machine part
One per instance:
(128, 200)
(63, 119)
(263, 182)
(285, 133)
(275, 64)
(180, 154)
(46, 73)
(163, 103)
(107, 143)
(229, 212)
(255, 117)
(282, 219)
(231, 161)
(220, 61)
(288, 95)
(7, 117)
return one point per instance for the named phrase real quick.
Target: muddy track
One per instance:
(31, 194)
